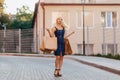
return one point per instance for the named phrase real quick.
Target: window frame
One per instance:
(63, 19)
(106, 22)
(81, 25)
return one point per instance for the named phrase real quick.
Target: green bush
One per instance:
(117, 57)
(109, 55)
(99, 55)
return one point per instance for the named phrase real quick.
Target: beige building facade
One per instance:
(101, 19)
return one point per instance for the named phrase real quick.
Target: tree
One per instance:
(4, 18)
(1, 8)
(24, 13)
(1, 5)
(23, 18)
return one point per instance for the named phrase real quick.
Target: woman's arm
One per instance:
(51, 31)
(66, 36)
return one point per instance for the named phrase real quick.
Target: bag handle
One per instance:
(69, 34)
(49, 32)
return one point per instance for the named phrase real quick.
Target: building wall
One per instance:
(93, 32)
(108, 1)
(38, 29)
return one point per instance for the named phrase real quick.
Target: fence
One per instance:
(16, 40)
(104, 40)
(101, 41)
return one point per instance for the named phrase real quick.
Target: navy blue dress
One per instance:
(60, 42)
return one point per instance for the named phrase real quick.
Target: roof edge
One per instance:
(79, 4)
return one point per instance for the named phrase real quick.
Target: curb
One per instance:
(115, 71)
(28, 55)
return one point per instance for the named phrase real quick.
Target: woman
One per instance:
(59, 31)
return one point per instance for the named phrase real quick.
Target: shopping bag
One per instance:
(48, 44)
(68, 50)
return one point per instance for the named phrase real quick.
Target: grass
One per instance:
(109, 55)
(117, 56)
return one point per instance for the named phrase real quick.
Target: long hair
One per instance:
(63, 24)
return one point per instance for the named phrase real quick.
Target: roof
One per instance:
(80, 4)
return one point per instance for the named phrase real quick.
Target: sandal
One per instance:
(56, 73)
(60, 75)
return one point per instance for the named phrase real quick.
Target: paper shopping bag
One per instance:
(68, 50)
(48, 44)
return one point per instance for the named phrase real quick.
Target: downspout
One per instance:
(42, 4)
(36, 23)
(36, 20)
(36, 32)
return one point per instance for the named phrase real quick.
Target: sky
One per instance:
(12, 5)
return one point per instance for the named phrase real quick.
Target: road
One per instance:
(42, 68)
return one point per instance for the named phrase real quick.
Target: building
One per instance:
(1, 6)
(12, 16)
(100, 18)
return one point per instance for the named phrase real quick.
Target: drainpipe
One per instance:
(42, 4)
(36, 20)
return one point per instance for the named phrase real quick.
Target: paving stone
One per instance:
(38, 68)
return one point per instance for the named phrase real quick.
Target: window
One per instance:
(88, 19)
(109, 19)
(114, 17)
(88, 48)
(64, 1)
(88, 1)
(78, 19)
(88, 16)
(63, 14)
(79, 47)
(109, 48)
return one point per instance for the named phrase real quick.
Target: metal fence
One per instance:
(108, 40)
(21, 40)
(16, 40)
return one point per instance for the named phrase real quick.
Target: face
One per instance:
(59, 20)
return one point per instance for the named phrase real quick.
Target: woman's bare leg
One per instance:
(57, 64)
(61, 61)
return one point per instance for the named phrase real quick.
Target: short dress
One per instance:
(60, 42)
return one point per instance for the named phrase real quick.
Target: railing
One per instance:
(16, 40)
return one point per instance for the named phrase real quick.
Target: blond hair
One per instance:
(63, 24)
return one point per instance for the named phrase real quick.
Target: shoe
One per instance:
(60, 75)
(56, 73)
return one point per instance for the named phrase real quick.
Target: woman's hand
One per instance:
(48, 29)
(69, 34)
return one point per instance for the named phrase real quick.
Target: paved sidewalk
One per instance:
(111, 63)
(106, 64)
